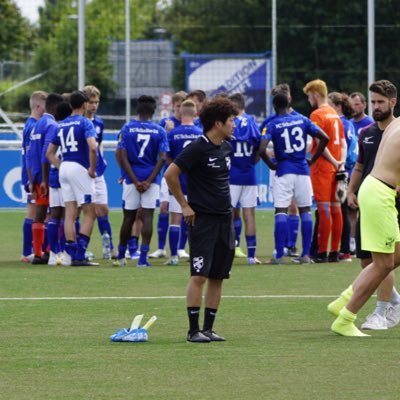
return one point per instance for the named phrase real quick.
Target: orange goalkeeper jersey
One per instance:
(329, 121)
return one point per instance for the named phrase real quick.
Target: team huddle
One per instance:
(199, 163)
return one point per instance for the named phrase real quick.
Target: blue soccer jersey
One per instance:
(178, 139)
(72, 137)
(270, 118)
(163, 121)
(45, 127)
(289, 135)
(26, 138)
(245, 143)
(100, 162)
(143, 142)
(358, 125)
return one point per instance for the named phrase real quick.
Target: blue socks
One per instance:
(132, 245)
(105, 227)
(237, 224)
(144, 249)
(82, 245)
(162, 229)
(251, 242)
(280, 233)
(53, 232)
(174, 231)
(183, 236)
(293, 230)
(306, 232)
(27, 237)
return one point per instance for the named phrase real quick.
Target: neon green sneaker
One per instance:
(344, 324)
(336, 305)
(239, 253)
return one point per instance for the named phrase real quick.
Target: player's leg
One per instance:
(248, 201)
(344, 254)
(223, 256)
(102, 212)
(148, 201)
(293, 229)
(174, 231)
(183, 240)
(27, 249)
(163, 221)
(38, 232)
(283, 194)
(235, 191)
(133, 242)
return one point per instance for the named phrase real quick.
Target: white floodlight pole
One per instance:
(371, 48)
(128, 60)
(81, 44)
(274, 51)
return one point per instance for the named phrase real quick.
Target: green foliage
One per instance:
(18, 99)
(16, 34)
(104, 22)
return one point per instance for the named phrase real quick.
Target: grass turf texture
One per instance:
(278, 347)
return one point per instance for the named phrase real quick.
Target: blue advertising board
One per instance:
(249, 74)
(13, 196)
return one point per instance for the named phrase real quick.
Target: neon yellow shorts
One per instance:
(378, 216)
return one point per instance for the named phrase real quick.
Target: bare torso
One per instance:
(387, 161)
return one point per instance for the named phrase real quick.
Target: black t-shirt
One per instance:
(207, 166)
(368, 144)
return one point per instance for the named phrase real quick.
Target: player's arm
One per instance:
(354, 185)
(262, 151)
(126, 166)
(44, 185)
(171, 175)
(91, 141)
(51, 155)
(322, 140)
(328, 155)
(343, 151)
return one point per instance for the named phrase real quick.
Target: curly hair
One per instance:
(217, 109)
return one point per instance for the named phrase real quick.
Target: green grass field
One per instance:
(56, 323)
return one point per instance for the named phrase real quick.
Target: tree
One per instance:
(16, 34)
(104, 22)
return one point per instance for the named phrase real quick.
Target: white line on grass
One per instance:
(266, 296)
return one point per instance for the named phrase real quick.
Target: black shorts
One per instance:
(212, 246)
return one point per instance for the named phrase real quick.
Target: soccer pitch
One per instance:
(56, 323)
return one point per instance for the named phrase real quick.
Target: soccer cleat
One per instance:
(393, 315)
(333, 257)
(89, 255)
(346, 328)
(213, 336)
(135, 255)
(302, 260)
(321, 258)
(53, 259)
(27, 259)
(336, 305)
(292, 252)
(106, 243)
(345, 257)
(182, 253)
(141, 265)
(375, 322)
(39, 260)
(239, 253)
(83, 263)
(158, 254)
(121, 262)
(66, 259)
(197, 337)
(173, 261)
(253, 261)
(276, 261)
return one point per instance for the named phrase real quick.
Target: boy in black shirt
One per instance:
(208, 213)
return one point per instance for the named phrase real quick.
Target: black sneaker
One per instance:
(197, 337)
(45, 257)
(321, 258)
(213, 336)
(333, 257)
(39, 260)
(292, 252)
(83, 263)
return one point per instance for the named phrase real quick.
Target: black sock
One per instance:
(209, 317)
(193, 314)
